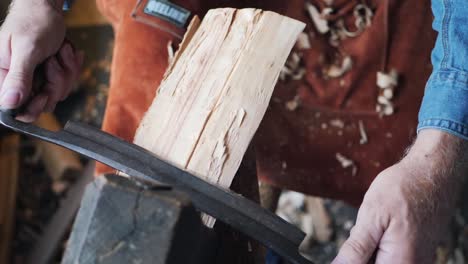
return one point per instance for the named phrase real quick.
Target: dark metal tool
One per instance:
(226, 206)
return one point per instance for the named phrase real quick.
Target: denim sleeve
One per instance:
(67, 4)
(445, 102)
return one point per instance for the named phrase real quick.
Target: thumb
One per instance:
(362, 243)
(18, 81)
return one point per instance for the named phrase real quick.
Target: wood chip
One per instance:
(335, 71)
(362, 132)
(388, 93)
(293, 104)
(347, 163)
(316, 222)
(303, 42)
(385, 80)
(293, 68)
(170, 52)
(344, 161)
(299, 75)
(388, 110)
(338, 123)
(320, 24)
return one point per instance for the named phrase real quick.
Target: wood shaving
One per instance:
(293, 104)
(320, 24)
(170, 52)
(388, 93)
(362, 132)
(293, 61)
(385, 80)
(342, 83)
(303, 42)
(338, 123)
(293, 68)
(386, 83)
(346, 163)
(299, 75)
(383, 100)
(388, 110)
(335, 71)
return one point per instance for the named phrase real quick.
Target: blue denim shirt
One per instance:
(445, 103)
(67, 5)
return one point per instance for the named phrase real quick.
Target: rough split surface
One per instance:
(215, 94)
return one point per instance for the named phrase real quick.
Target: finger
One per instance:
(68, 61)
(363, 240)
(71, 62)
(4, 57)
(79, 59)
(34, 109)
(18, 81)
(5, 51)
(68, 58)
(56, 81)
(3, 74)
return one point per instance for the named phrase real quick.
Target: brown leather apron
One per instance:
(310, 139)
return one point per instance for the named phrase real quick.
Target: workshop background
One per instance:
(37, 200)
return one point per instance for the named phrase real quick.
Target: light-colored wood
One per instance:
(321, 222)
(57, 160)
(9, 164)
(215, 94)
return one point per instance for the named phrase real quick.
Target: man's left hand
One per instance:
(408, 206)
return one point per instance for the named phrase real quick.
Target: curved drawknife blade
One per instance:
(226, 206)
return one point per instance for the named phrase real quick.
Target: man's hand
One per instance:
(408, 206)
(33, 34)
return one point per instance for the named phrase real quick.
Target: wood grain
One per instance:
(215, 94)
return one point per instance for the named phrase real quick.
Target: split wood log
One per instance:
(216, 91)
(57, 160)
(9, 166)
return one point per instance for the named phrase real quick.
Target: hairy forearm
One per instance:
(442, 152)
(440, 161)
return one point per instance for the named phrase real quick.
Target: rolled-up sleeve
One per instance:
(445, 102)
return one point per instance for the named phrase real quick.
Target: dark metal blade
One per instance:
(226, 206)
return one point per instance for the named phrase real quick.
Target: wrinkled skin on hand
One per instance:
(33, 34)
(408, 206)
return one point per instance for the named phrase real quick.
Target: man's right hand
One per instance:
(33, 34)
